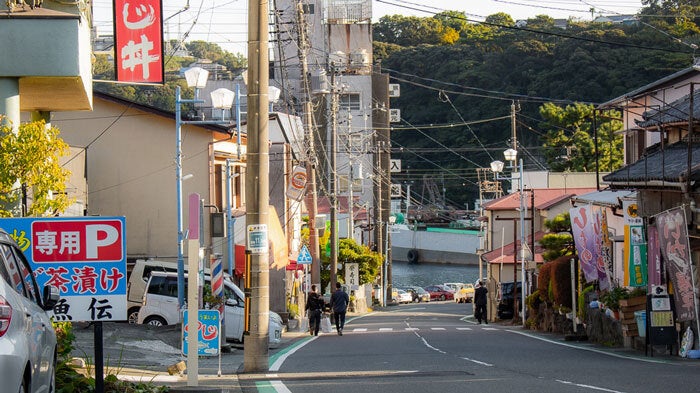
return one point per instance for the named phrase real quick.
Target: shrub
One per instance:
(543, 282)
(561, 281)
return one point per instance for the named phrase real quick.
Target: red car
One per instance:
(440, 292)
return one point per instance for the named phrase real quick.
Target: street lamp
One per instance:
(196, 78)
(497, 167)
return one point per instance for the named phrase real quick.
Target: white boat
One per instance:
(434, 245)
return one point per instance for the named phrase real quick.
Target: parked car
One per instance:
(418, 294)
(403, 297)
(440, 292)
(27, 337)
(465, 294)
(504, 310)
(159, 307)
(138, 278)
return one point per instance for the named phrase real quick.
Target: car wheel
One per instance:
(154, 320)
(442, 297)
(133, 315)
(23, 388)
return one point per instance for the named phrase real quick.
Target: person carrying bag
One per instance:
(314, 308)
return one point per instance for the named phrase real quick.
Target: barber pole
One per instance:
(217, 284)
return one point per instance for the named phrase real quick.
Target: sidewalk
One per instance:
(143, 353)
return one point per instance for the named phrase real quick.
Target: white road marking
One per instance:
(278, 363)
(437, 328)
(479, 362)
(359, 329)
(489, 328)
(386, 329)
(617, 355)
(410, 329)
(588, 386)
(279, 387)
(464, 328)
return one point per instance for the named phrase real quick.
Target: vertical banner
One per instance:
(632, 219)
(600, 226)
(138, 41)
(673, 241)
(637, 262)
(653, 258)
(606, 248)
(584, 237)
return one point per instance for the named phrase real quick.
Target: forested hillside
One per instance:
(464, 74)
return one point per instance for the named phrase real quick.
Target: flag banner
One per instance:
(600, 227)
(585, 238)
(138, 41)
(637, 251)
(673, 241)
(606, 249)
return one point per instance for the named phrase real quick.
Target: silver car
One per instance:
(27, 338)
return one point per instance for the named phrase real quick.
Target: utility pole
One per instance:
(311, 199)
(255, 347)
(333, 191)
(380, 124)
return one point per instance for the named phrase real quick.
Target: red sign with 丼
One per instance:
(77, 241)
(138, 41)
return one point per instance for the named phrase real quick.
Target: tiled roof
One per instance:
(676, 112)
(666, 165)
(544, 198)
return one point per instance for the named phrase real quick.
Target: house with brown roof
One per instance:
(503, 234)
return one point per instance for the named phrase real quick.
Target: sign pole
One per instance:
(99, 358)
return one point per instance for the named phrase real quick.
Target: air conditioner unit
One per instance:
(394, 115)
(394, 90)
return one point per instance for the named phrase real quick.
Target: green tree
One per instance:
(569, 143)
(369, 262)
(29, 160)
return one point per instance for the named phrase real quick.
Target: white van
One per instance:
(136, 286)
(159, 307)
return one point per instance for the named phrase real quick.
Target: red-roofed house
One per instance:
(503, 231)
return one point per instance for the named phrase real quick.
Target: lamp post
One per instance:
(497, 167)
(222, 99)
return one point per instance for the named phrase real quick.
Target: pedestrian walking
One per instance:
(314, 308)
(339, 305)
(480, 303)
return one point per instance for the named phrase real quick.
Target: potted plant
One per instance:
(636, 297)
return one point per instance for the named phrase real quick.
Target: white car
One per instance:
(27, 338)
(160, 307)
(403, 296)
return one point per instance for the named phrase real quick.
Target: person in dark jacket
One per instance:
(314, 308)
(339, 304)
(480, 302)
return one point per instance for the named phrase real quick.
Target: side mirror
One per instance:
(51, 295)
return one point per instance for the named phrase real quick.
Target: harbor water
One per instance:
(422, 275)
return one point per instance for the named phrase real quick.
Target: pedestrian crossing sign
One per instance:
(304, 257)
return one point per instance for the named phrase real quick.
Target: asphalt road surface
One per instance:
(435, 347)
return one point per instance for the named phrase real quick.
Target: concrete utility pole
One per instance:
(333, 191)
(256, 353)
(311, 194)
(382, 160)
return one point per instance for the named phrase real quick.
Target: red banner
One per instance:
(138, 41)
(673, 239)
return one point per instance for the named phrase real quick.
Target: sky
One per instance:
(224, 22)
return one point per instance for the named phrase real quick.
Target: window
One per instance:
(349, 101)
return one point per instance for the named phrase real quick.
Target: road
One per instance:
(435, 347)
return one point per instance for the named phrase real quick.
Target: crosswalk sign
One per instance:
(304, 257)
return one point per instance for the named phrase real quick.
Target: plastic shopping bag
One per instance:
(325, 324)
